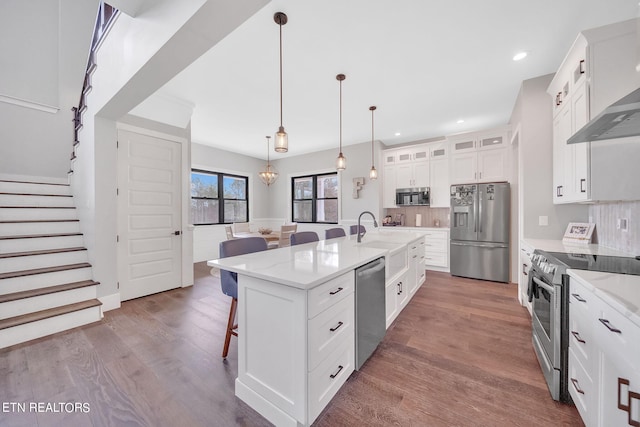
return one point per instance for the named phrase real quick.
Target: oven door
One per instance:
(546, 330)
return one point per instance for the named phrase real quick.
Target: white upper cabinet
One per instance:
(479, 157)
(599, 69)
(389, 187)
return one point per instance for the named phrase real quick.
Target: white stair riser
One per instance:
(39, 243)
(14, 200)
(40, 261)
(37, 281)
(35, 213)
(33, 330)
(19, 187)
(44, 302)
(30, 228)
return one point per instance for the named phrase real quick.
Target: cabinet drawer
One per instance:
(327, 294)
(328, 329)
(429, 235)
(581, 339)
(581, 389)
(436, 245)
(581, 300)
(328, 377)
(435, 259)
(616, 334)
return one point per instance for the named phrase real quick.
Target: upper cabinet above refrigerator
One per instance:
(479, 157)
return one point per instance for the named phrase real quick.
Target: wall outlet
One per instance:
(543, 220)
(623, 224)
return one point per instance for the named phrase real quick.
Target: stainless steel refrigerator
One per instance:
(480, 231)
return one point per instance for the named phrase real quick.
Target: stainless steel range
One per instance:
(549, 294)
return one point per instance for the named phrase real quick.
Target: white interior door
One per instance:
(149, 231)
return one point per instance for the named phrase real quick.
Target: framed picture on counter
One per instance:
(579, 232)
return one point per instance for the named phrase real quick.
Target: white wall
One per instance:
(45, 46)
(137, 57)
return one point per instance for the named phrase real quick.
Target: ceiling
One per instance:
(424, 64)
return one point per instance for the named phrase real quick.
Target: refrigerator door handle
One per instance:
(480, 210)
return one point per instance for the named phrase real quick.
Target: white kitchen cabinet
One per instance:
(523, 277)
(599, 69)
(436, 250)
(604, 374)
(439, 182)
(396, 297)
(479, 157)
(414, 174)
(416, 274)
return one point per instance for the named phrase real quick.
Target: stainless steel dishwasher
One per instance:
(370, 309)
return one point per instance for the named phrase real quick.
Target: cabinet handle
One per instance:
(579, 298)
(582, 182)
(480, 173)
(559, 191)
(581, 66)
(335, 374)
(335, 328)
(621, 405)
(335, 292)
(606, 323)
(577, 336)
(575, 385)
(399, 292)
(636, 396)
(524, 270)
(415, 256)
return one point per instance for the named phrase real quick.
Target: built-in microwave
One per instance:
(413, 196)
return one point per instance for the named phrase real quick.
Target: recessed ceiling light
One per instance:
(519, 56)
(398, 134)
(460, 121)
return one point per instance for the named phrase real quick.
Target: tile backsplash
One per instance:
(429, 215)
(607, 216)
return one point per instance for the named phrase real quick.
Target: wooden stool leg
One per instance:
(230, 327)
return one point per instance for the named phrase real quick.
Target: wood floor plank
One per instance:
(460, 354)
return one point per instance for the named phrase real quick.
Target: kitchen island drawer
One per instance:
(329, 329)
(324, 296)
(329, 376)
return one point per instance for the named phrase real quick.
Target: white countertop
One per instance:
(560, 246)
(407, 228)
(621, 291)
(308, 265)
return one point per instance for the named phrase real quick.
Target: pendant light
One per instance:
(373, 173)
(270, 174)
(281, 143)
(341, 161)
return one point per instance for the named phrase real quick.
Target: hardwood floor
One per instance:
(460, 354)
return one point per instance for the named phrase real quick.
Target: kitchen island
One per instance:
(296, 322)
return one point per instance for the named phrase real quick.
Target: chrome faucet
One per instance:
(375, 224)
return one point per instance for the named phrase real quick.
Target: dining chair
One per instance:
(285, 234)
(332, 233)
(229, 231)
(229, 280)
(241, 227)
(354, 229)
(304, 237)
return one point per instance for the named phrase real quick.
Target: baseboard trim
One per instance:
(110, 302)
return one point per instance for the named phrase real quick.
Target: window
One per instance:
(218, 198)
(315, 198)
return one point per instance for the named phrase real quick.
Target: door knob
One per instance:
(177, 232)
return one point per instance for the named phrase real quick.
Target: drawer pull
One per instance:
(415, 256)
(335, 328)
(575, 385)
(340, 367)
(577, 336)
(606, 323)
(622, 405)
(636, 396)
(627, 406)
(579, 298)
(336, 291)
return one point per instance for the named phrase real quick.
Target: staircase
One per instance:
(46, 283)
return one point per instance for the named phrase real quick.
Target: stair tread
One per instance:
(34, 194)
(46, 291)
(42, 252)
(37, 207)
(37, 236)
(31, 221)
(12, 274)
(33, 182)
(45, 314)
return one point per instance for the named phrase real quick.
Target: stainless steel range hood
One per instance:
(619, 120)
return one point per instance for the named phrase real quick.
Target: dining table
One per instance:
(274, 236)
